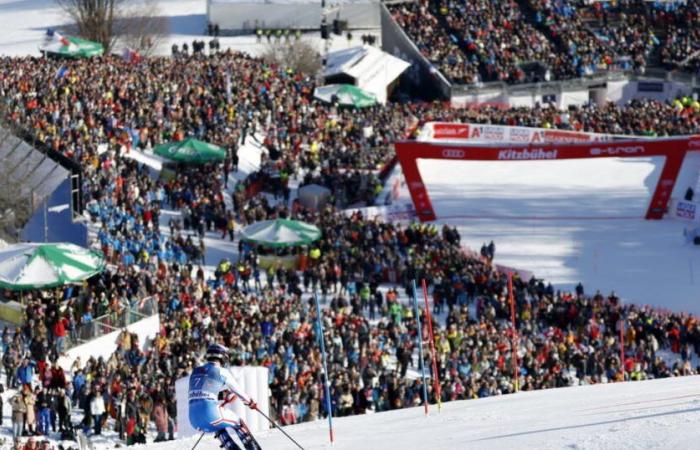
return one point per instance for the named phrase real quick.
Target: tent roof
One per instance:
(372, 68)
(80, 48)
(280, 233)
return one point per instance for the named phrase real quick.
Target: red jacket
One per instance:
(59, 329)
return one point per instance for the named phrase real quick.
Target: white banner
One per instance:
(404, 212)
(684, 210)
(479, 133)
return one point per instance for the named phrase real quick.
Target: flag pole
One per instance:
(514, 341)
(420, 346)
(436, 375)
(325, 368)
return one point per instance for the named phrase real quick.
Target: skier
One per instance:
(207, 382)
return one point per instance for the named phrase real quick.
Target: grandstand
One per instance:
(33, 183)
(564, 52)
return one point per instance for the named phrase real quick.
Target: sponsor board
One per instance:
(450, 131)
(472, 132)
(396, 212)
(623, 150)
(568, 136)
(686, 210)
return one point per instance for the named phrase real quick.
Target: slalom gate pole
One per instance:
(420, 346)
(325, 368)
(514, 343)
(276, 425)
(621, 324)
(436, 375)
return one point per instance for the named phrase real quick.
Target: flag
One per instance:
(61, 72)
(228, 86)
(133, 135)
(54, 36)
(131, 56)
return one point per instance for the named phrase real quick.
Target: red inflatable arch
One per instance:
(673, 149)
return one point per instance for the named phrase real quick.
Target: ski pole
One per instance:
(276, 425)
(198, 440)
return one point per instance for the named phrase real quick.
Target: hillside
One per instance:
(649, 414)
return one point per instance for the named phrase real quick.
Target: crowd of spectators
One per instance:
(435, 43)
(361, 272)
(473, 41)
(502, 40)
(97, 112)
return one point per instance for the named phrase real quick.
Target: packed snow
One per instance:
(572, 221)
(648, 414)
(25, 23)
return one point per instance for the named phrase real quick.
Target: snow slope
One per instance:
(25, 23)
(571, 221)
(649, 414)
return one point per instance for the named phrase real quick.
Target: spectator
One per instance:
(97, 409)
(19, 411)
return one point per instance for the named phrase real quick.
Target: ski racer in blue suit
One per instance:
(207, 413)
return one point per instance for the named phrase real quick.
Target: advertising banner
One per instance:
(397, 212)
(685, 210)
(480, 133)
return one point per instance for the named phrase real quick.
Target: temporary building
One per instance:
(314, 196)
(366, 67)
(239, 16)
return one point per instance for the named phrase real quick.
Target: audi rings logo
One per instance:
(453, 153)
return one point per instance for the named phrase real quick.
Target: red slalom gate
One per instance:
(436, 375)
(673, 149)
(514, 340)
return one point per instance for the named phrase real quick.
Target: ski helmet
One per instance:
(217, 352)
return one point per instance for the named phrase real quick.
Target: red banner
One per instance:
(450, 131)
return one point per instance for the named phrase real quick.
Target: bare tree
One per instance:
(300, 56)
(142, 27)
(95, 19)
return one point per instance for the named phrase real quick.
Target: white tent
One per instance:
(370, 69)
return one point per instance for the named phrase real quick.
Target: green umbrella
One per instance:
(36, 266)
(78, 48)
(280, 233)
(191, 151)
(345, 95)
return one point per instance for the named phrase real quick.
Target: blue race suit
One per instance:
(206, 410)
